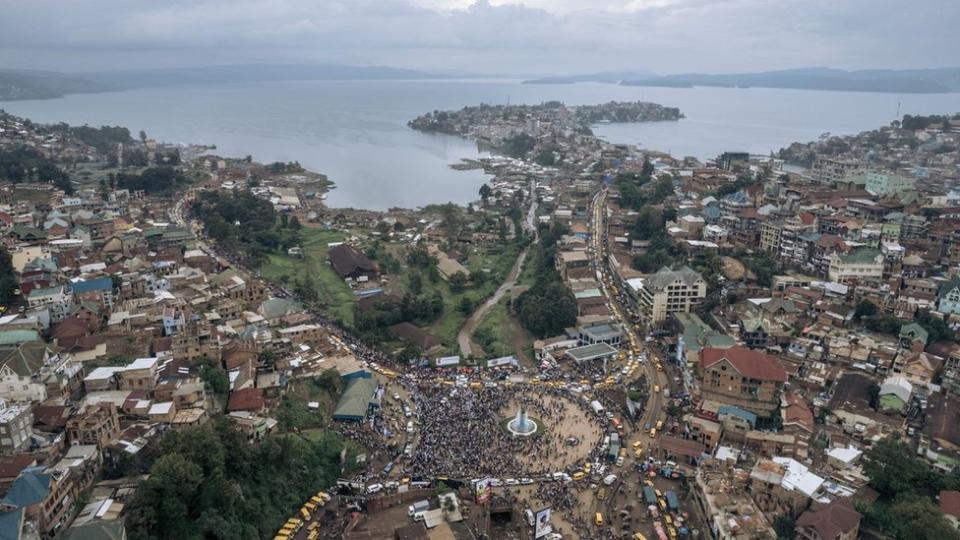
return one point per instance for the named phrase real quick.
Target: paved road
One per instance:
(465, 336)
(654, 407)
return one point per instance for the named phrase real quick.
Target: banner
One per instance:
(543, 527)
(483, 490)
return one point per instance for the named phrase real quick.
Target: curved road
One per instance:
(465, 336)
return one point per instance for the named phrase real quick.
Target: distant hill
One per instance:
(254, 73)
(25, 84)
(603, 77)
(908, 81)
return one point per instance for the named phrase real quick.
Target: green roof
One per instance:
(914, 331)
(356, 399)
(891, 402)
(14, 337)
(96, 530)
(591, 352)
(865, 255)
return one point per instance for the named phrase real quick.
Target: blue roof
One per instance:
(737, 411)
(90, 285)
(31, 487)
(10, 524)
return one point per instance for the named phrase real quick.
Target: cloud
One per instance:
(492, 36)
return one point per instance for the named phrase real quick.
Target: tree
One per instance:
(466, 305)
(785, 527)
(546, 308)
(8, 280)
(894, 470)
(865, 308)
(518, 145)
(485, 192)
(457, 282)
(416, 283)
(143, 136)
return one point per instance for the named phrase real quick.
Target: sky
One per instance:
(497, 37)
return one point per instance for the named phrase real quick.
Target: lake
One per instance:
(355, 131)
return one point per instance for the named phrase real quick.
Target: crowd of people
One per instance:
(462, 432)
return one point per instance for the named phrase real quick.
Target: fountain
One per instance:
(522, 425)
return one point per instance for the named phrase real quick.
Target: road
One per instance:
(654, 409)
(465, 336)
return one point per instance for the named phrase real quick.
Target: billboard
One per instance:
(483, 489)
(542, 527)
(448, 361)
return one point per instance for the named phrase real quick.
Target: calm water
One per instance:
(355, 131)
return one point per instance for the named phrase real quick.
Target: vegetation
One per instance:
(211, 483)
(8, 281)
(518, 145)
(163, 180)
(104, 138)
(24, 164)
(311, 276)
(245, 224)
(548, 306)
(907, 487)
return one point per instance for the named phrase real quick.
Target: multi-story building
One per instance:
(886, 184)
(96, 425)
(16, 426)
(742, 377)
(862, 265)
(827, 170)
(668, 291)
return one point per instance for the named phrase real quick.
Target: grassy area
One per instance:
(500, 334)
(494, 262)
(335, 295)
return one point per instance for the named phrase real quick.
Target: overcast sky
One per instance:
(495, 36)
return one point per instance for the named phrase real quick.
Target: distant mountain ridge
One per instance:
(241, 73)
(912, 81)
(25, 84)
(602, 77)
(907, 81)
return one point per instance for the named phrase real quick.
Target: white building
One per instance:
(667, 292)
(862, 265)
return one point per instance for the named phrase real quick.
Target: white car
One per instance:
(609, 479)
(526, 481)
(374, 488)
(511, 482)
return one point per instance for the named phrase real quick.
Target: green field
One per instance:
(335, 295)
(500, 334)
(495, 262)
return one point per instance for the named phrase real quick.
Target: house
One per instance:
(22, 369)
(409, 333)
(45, 498)
(834, 521)
(742, 377)
(918, 368)
(950, 506)
(350, 263)
(16, 427)
(246, 399)
(948, 297)
(913, 337)
(96, 425)
(98, 291)
(862, 265)
(895, 393)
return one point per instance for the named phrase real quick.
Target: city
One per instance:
(479, 270)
